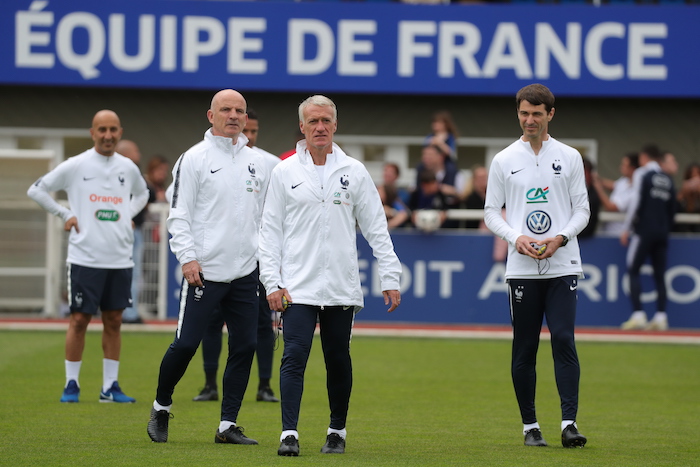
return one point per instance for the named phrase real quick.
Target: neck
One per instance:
(319, 155)
(536, 143)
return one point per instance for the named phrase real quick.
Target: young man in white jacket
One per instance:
(308, 263)
(541, 182)
(218, 190)
(105, 191)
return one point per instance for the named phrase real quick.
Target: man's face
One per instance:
(106, 132)
(432, 158)
(228, 114)
(318, 126)
(251, 132)
(534, 120)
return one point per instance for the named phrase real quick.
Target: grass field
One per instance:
(416, 401)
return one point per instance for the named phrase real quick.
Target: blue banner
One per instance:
(451, 278)
(630, 51)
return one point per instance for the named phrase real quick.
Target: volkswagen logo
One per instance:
(539, 222)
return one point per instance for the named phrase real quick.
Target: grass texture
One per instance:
(416, 401)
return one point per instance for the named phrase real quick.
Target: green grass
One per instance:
(416, 401)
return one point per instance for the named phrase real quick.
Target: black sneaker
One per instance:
(233, 435)
(209, 393)
(571, 438)
(266, 395)
(334, 444)
(158, 425)
(289, 447)
(533, 437)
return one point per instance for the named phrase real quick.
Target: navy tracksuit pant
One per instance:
(531, 300)
(211, 343)
(641, 248)
(299, 324)
(238, 302)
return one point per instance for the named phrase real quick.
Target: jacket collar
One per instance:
(335, 158)
(224, 144)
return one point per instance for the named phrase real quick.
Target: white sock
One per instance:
(530, 426)
(73, 371)
(159, 407)
(565, 423)
(342, 433)
(110, 373)
(286, 433)
(639, 315)
(660, 316)
(225, 425)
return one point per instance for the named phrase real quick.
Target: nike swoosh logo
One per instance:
(572, 287)
(513, 172)
(294, 186)
(214, 171)
(109, 397)
(88, 178)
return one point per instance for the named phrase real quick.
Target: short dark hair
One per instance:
(426, 176)
(535, 94)
(652, 150)
(252, 114)
(633, 158)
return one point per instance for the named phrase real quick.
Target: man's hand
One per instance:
(275, 300)
(393, 296)
(625, 238)
(191, 272)
(70, 223)
(522, 245)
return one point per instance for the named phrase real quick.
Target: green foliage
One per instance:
(416, 401)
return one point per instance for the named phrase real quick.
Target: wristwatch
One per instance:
(565, 239)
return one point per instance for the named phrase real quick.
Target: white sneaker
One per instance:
(658, 324)
(635, 322)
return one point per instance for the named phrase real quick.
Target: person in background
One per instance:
(443, 134)
(594, 201)
(211, 343)
(646, 230)
(689, 196)
(394, 206)
(428, 195)
(451, 181)
(542, 184)
(622, 192)
(128, 148)
(218, 192)
(308, 263)
(105, 191)
(669, 164)
(157, 177)
(476, 194)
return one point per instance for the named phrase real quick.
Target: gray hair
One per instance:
(319, 100)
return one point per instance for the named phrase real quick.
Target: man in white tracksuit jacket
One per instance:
(218, 190)
(541, 183)
(308, 255)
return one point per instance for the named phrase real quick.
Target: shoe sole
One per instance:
(107, 401)
(288, 454)
(577, 443)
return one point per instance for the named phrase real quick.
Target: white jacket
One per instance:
(308, 236)
(218, 191)
(545, 195)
